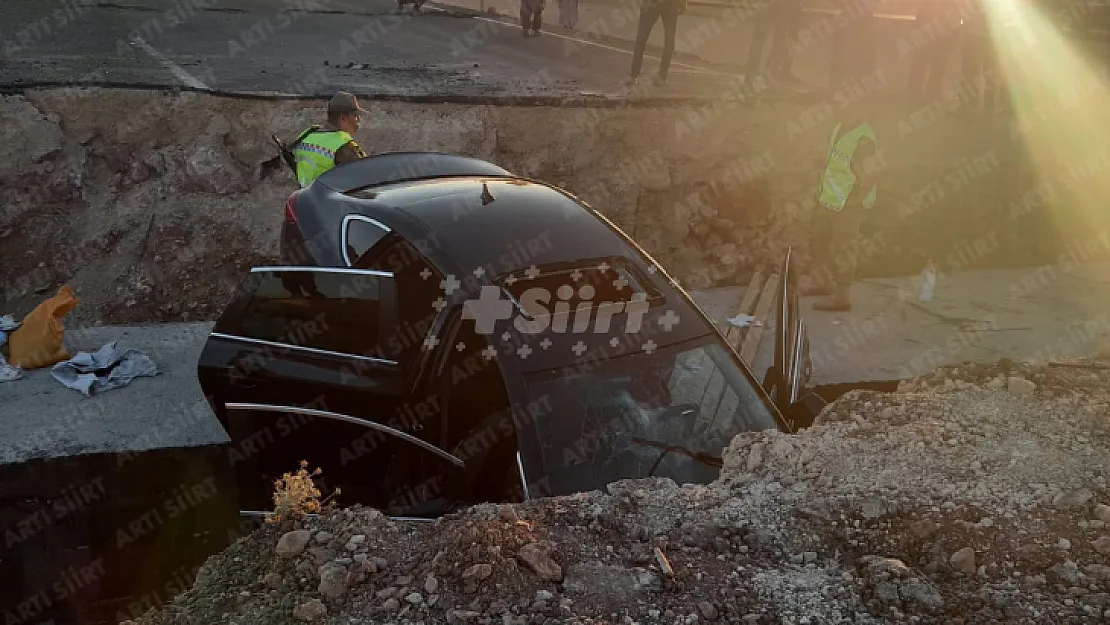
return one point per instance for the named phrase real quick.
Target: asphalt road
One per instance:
(307, 47)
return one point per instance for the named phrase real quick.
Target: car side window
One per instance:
(360, 233)
(319, 309)
(417, 291)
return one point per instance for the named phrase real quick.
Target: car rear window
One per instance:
(607, 283)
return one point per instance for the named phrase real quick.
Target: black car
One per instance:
(442, 333)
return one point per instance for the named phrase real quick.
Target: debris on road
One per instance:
(8, 372)
(107, 368)
(40, 339)
(8, 324)
(947, 501)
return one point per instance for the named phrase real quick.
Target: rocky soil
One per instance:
(977, 494)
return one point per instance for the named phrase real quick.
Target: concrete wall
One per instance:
(153, 205)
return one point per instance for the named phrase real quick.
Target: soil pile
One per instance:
(973, 495)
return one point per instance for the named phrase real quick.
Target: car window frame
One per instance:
(344, 230)
(240, 300)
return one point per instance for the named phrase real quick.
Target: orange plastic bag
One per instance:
(39, 342)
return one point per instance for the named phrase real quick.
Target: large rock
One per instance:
(477, 572)
(310, 611)
(1102, 513)
(538, 558)
(1102, 545)
(1021, 386)
(964, 561)
(1070, 500)
(27, 135)
(591, 581)
(333, 580)
(894, 584)
(292, 544)
(210, 169)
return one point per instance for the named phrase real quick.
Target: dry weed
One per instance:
(296, 495)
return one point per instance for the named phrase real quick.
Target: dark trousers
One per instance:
(530, 19)
(927, 67)
(648, 16)
(835, 237)
(979, 63)
(853, 54)
(780, 23)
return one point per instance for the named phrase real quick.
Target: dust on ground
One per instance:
(976, 494)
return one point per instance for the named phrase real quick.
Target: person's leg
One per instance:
(525, 16)
(761, 29)
(970, 72)
(845, 243)
(917, 71)
(844, 61)
(670, 30)
(820, 278)
(866, 53)
(785, 29)
(938, 67)
(537, 20)
(648, 15)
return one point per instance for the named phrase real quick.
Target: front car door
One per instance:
(786, 380)
(295, 370)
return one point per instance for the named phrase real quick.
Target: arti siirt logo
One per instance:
(490, 308)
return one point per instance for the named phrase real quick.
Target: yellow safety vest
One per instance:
(838, 180)
(316, 153)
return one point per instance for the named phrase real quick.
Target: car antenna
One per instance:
(487, 197)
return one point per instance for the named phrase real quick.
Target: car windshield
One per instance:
(691, 395)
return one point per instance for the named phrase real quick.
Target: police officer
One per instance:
(318, 151)
(847, 188)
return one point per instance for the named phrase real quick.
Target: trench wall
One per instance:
(153, 205)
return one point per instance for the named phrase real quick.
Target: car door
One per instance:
(294, 370)
(790, 372)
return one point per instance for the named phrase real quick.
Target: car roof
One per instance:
(393, 167)
(502, 224)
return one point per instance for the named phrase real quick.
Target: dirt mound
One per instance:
(973, 505)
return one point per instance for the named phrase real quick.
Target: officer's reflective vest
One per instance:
(838, 180)
(316, 153)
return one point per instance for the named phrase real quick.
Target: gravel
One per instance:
(924, 506)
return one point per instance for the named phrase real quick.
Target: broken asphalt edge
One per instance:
(746, 95)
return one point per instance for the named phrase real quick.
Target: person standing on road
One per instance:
(853, 53)
(847, 189)
(938, 25)
(531, 16)
(981, 70)
(652, 11)
(318, 151)
(568, 14)
(779, 21)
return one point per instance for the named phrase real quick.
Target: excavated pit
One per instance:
(152, 205)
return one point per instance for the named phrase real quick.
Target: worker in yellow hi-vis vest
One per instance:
(319, 150)
(846, 190)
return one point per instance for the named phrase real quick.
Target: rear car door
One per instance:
(294, 370)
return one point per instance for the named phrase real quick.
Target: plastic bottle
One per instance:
(929, 281)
